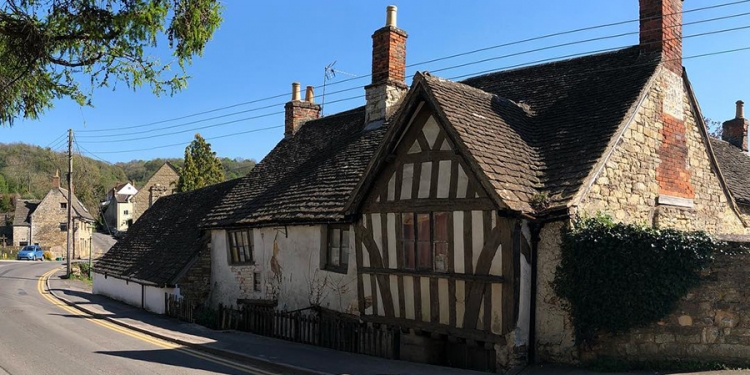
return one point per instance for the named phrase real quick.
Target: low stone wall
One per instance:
(711, 323)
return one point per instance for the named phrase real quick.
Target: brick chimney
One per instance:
(298, 112)
(661, 31)
(56, 180)
(388, 69)
(734, 131)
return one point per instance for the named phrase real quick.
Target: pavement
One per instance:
(267, 353)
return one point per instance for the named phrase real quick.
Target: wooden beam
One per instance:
(487, 278)
(428, 156)
(375, 261)
(360, 286)
(501, 234)
(432, 205)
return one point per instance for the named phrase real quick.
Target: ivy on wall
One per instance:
(615, 276)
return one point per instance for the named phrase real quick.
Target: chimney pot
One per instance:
(391, 14)
(740, 109)
(309, 94)
(295, 91)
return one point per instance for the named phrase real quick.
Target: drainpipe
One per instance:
(143, 296)
(536, 228)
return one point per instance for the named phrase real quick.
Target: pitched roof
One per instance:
(78, 208)
(306, 178)
(574, 107)
(735, 167)
(165, 239)
(24, 209)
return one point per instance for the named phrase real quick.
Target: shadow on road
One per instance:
(174, 357)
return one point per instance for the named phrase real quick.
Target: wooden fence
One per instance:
(308, 326)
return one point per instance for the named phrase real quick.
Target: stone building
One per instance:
(117, 209)
(437, 207)
(162, 183)
(45, 223)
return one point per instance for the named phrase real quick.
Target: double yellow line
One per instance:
(138, 335)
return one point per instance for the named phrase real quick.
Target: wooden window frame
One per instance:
(343, 267)
(416, 241)
(249, 259)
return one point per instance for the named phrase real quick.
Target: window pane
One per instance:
(441, 226)
(408, 240)
(423, 227)
(407, 224)
(333, 256)
(345, 247)
(425, 258)
(441, 256)
(336, 238)
(409, 259)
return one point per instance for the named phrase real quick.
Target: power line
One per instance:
(56, 140)
(568, 32)
(442, 69)
(182, 143)
(473, 74)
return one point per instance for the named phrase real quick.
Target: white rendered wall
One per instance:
(132, 293)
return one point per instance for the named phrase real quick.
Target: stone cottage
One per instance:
(437, 207)
(161, 183)
(163, 252)
(45, 223)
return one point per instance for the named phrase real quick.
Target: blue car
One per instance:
(31, 252)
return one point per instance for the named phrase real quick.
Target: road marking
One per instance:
(140, 336)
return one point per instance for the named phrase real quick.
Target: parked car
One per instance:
(31, 252)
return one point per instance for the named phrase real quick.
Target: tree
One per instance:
(201, 168)
(48, 46)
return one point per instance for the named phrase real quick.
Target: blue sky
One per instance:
(262, 47)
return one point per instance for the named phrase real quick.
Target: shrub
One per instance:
(47, 255)
(615, 277)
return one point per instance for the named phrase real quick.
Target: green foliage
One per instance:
(46, 47)
(28, 172)
(6, 203)
(201, 166)
(615, 277)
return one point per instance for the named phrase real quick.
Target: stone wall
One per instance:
(160, 184)
(196, 284)
(46, 223)
(628, 187)
(711, 323)
(555, 339)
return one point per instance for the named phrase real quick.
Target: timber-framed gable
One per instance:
(432, 251)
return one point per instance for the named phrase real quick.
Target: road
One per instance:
(40, 336)
(100, 243)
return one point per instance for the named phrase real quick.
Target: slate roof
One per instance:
(78, 208)
(307, 178)
(735, 167)
(574, 109)
(165, 238)
(24, 209)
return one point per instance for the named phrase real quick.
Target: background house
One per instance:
(45, 223)
(161, 183)
(117, 210)
(163, 252)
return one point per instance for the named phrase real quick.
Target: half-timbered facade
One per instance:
(432, 250)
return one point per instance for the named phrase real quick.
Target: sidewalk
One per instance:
(267, 353)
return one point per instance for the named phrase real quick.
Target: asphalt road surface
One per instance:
(100, 243)
(39, 335)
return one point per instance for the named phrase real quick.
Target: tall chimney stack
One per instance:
(56, 180)
(298, 112)
(661, 31)
(388, 69)
(734, 131)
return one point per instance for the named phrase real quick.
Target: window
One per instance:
(126, 212)
(63, 227)
(63, 205)
(424, 238)
(240, 246)
(337, 249)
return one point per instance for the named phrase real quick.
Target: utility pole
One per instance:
(70, 197)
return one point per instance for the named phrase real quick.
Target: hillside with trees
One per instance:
(27, 171)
